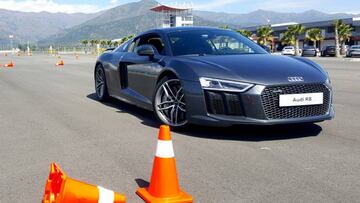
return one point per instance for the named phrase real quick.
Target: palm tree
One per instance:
(92, 42)
(296, 30)
(126, 38)
(288, 38)
(314, 35)
(116, 43)
(264, 35)
(97, 41)
(85, 42)
(226, 27)
(337, 25)
(109, 43)
(344, 33)
(245, 33)
(103, 43)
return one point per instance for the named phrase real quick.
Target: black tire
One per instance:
(162, 116)
(101, 90)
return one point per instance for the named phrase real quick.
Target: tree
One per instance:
(296, 31)
(97, 41)
(288, 38)
(92, 42)
(344, 34)
(109, 43)
(103, 43)
(126, 38)
(116, 43)
(264, 35)
(85, 42)
(314, 35)
(226, 27)
(245, 33)
(337, 25)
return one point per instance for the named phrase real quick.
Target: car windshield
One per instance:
(212, 42)
(355, 47)
(290, 48)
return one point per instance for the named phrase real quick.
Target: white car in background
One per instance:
(353, 51)
(288, 50)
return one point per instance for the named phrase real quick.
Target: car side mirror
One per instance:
(146, 50)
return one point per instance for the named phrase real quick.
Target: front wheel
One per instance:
(169, 102)
(100, 83)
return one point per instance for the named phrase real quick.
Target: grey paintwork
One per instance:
(259, 69)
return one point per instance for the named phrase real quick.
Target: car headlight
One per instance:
(328, 81)
(224, 85)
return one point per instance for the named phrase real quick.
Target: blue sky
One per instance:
(232, 6)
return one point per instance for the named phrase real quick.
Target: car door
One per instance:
(138, 74)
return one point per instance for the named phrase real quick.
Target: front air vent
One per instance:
(224, 103)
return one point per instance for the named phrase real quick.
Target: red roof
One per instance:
(161, 8)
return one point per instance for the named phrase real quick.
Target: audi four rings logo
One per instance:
(295, 79)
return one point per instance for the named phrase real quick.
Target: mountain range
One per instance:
(60, 28)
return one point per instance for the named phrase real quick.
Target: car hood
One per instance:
(258, 68)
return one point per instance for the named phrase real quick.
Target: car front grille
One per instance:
(270, 101)
(223, 103)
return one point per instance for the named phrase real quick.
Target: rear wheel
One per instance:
(100, 83)
(169, 102)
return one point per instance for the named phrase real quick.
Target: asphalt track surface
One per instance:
(50, 114)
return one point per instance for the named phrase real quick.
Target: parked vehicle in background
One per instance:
(309, 51)
(328, 51)
(353, 51)
(288, 50)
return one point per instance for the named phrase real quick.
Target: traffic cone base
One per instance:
(181, 197)
(60, 63)
(9, 65)
(61, 189)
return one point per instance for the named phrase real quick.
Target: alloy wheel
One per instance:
(100, 82)
(170, 104)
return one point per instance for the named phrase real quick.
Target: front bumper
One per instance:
(253, 111)
(354, 53)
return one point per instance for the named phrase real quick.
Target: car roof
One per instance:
(179, 29)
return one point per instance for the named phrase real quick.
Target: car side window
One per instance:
(154, 40)
(133, 44)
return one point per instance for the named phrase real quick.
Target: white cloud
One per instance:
(47, 5)
(280, 4)
(113, 2)
(215, 4)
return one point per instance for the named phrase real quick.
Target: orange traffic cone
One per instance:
(9, 65)
(60, 63)
(61, 189)
(164, 184)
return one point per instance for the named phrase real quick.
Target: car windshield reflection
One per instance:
(219, 42)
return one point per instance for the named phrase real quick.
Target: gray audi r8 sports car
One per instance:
(212, 76)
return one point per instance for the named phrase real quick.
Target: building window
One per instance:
(357, 29)
(331, 29)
